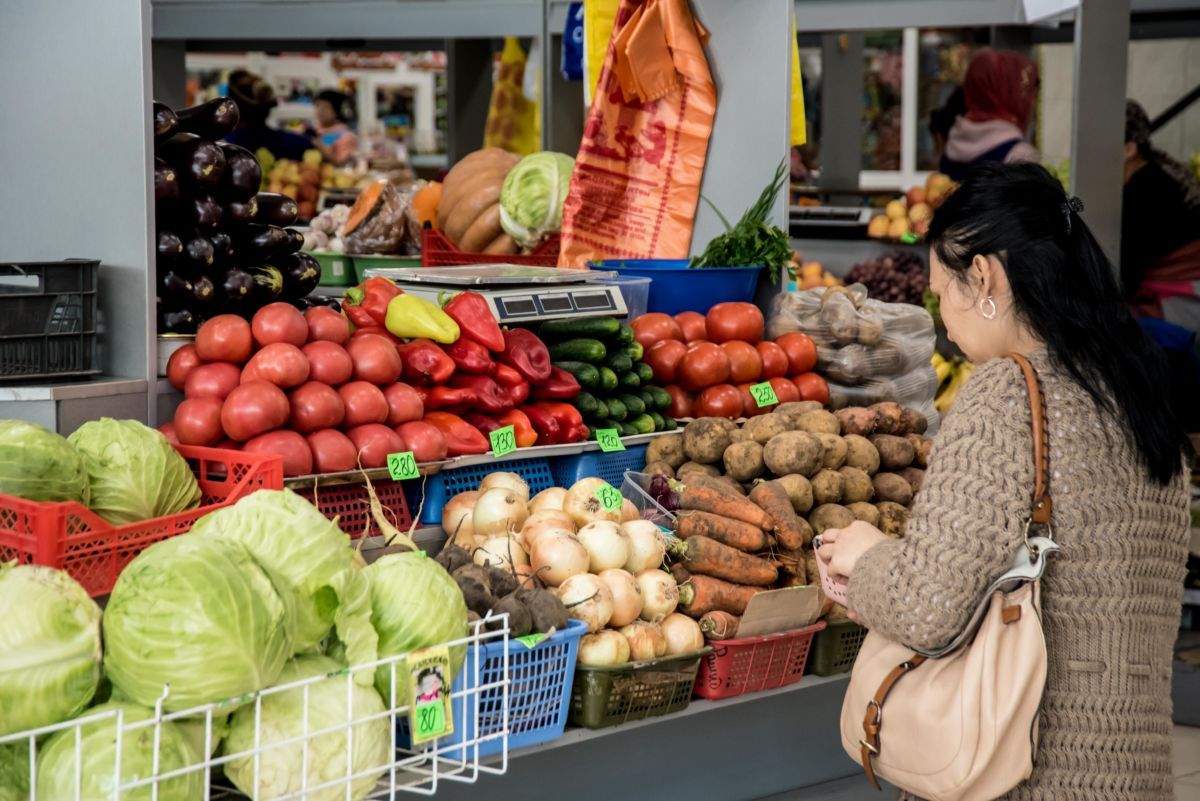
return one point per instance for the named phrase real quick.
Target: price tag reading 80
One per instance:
(764, 394)
(504, 440)
(610, 497)
(402, 466)
(609, 439)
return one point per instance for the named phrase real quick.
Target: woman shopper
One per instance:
(999, 91)
(331, 133)
(1017, 270)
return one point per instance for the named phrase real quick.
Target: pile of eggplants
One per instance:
(222, 245)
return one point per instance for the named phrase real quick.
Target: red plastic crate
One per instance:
(438, 251)
(736, 667)
(350, 504)
(70, 537)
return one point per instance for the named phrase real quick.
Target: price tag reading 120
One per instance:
(763, 394)
(503, 441)
(610, 497)
(402, 465)
(609, 439)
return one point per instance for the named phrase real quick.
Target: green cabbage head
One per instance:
(39, 465)
(199, 614)
(282, 718)
(133, 472)
(49, 647)
(287, 535)
(14, 771)
(98, 759)
(531, 200)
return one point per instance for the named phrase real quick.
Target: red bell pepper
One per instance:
(490, 397)
(561, 385)
(522, 427)
(485, 424)
(425, 362)
(462, 438)
(511, 380)
(526, 354)
(547, 426)
(570, 421)
(470, 357)
(443, 397)
(366, 304)
(475, 320)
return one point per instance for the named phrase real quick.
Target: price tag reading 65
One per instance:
(763, 394)
(609, 439)
(610, 498)
(503, 441)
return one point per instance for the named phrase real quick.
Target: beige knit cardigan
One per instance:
(1111, 598)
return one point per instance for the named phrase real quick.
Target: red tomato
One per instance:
(801, 351)
(198, 421)
(655, 327)
(681, 401)
(365, 403)
(279, 322)
(279, 363)
(214, 380)
(297, 456)
(168, 431)
(181, 364)
(732, 320)
(745, 363)
(785, 390)
(425, 440)
(327, 325)
(375, 360)
(750, 407)
(253, 408)
(812, 387)
(404, 404)
(775, 361)
(702, 366)
(332, 451)
(228, 445)
(315, 406)
(373, 442)
(224, 338)
(328, 362)
(692, 325)
(663, 358)
(722, 400)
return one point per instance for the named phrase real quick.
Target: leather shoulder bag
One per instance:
(960, 724)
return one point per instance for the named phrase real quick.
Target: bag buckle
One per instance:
(873, 749)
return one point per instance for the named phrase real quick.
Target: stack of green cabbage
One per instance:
(532, 198)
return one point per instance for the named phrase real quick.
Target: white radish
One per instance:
(548, 500)
(507, 481)
(682, 634)
(646, 640)
(627, 596)
(606, 544)
(660, 594)
(457, 517)
(503, 552)
(603, 649)
(647, 547)
(557, 556)
(498, 512)
(587, 598)
(584, 506)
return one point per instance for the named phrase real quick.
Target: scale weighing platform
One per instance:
(515, 293)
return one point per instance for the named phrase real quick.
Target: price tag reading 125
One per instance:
(402, 465)
(503, 441)
(610, 497)
(763, 394)
(609, 439)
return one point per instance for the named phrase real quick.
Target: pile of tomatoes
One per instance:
(708, 362)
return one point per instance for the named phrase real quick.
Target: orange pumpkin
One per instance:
(425, 204)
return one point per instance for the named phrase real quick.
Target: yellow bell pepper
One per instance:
(410, 317)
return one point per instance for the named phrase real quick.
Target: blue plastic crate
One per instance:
(441, 487)
(610, 466)
(539, 694)
(677, 287)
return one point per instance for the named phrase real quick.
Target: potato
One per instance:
(723, 422)
(889, 418)
(830, 515)
(827, 487)
(915, 476)
(922, 446)
(914, 422)
(866, 512)
(891, 487)
(696, 467)
(791, 563)
(821, 422)
(835, 450)
(659, 468)
(705, 440)
(869, 331)
(862, 454)
(793, 452)
(799, 492)
(893, 519)
(810, 566)
(798, 407)
(740, 435)
(856, 485)
(837, 613)
(894, 452)
(667, 449)
(856, 420)
(744, 461)
(765, 426)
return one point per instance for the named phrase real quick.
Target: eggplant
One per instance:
(301, 274)
(204, 291)
(224, 251)
(179, 321)
(166, 184)
(237, 286)
(238, 212)
(328, 301)
(198, 252)
(204, 211)
(174, 284)
(295, 241)
(166, 123)
(212, 120)
(259, 243)
(243, 173)
(268, 281)
(199, 159)
(169, 247)
(276, 209)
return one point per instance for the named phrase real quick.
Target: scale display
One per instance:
(549, 303)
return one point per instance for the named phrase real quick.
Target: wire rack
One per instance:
(401, 772)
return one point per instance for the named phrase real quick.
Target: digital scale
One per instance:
(829, 222)
(516, 294)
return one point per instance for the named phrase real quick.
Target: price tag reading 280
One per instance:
(504, 440)
(402, 466)
(610, 497)
(764, 394)
(609, 439)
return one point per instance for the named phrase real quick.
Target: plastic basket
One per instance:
(438, 251)
(835, 649)
(350, 504)
(677, 287)
(70, 537)
(337, 269)
(610, 466)
(609, 696)
(441, 487)
(376, 261)
(737, 667)
(635, 488)
(48, 319)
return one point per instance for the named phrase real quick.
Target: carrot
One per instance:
(791, 563)
(719, 625)
(703, 594)
(733, 533)
(680, 574)
(708, 557)
(791, 532)
(702, 497)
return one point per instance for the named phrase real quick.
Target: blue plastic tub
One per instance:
(441, 487)
(610, 466)
(676, 287)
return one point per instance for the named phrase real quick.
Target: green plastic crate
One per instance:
(364, 263)
(609, 696)
(835, 649)
(337, 269)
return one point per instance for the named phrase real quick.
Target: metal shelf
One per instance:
(846, 15)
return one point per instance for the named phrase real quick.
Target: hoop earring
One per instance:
(990, 314)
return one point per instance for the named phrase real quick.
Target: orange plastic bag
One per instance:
(637, 176)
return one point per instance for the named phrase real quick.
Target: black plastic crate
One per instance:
(48, 319)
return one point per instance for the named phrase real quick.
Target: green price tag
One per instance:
(402, 465)
(530, 640)
(910, 238)
(764, 394)
(429, 693)
(609, 439)
(610, 497)
(503, 441)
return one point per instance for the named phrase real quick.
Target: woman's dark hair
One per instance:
(338, 100)
(1137, 131)
(942, 118)
(1066, 291)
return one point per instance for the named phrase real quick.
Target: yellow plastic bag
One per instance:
(513, 122)
(599, 16)
(799, 129)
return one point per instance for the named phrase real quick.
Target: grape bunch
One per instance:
(899, 277)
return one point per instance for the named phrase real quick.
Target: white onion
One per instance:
(584, 507)
(498, 512)
(503, 552)
(646, 640)
(629, 511)
(660, 594)
(646, 545)
(506, 481)
(556, 556)
(457, 517)
(539, 523)
(627, 596)
(548, 500)
(606, 544)
(587, 598)
(683, 634)
(603, 649)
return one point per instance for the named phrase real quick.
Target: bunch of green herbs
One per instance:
(752, 241)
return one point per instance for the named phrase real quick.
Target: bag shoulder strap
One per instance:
(1042, 509)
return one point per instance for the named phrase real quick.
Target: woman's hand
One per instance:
(841, 548)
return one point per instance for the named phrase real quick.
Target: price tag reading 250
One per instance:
(609, 439)
(402, 466)
(764, 394)
(610, 497)
(504, 440)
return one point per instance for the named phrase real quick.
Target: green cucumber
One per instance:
(579, 350)
(627, 430)
(587, 404)
(645, 372)
(601, 410)
(619, 362)
(647, 398)
(629, 380)
(636, 351)
(671, 425)
(644, 424)
(632, 403)
(616, 409)
(659, 422)
(594, 327)
(608, 380)
(586, 374)
(625, 334)
(662, 398)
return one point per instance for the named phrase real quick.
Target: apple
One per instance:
(915, 196)
(921, 227)
(937, 186)
(921, 212)
(898, 228)
(878, 227)
(896, 210)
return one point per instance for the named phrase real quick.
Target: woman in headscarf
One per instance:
(999, 91)
(255, 98)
